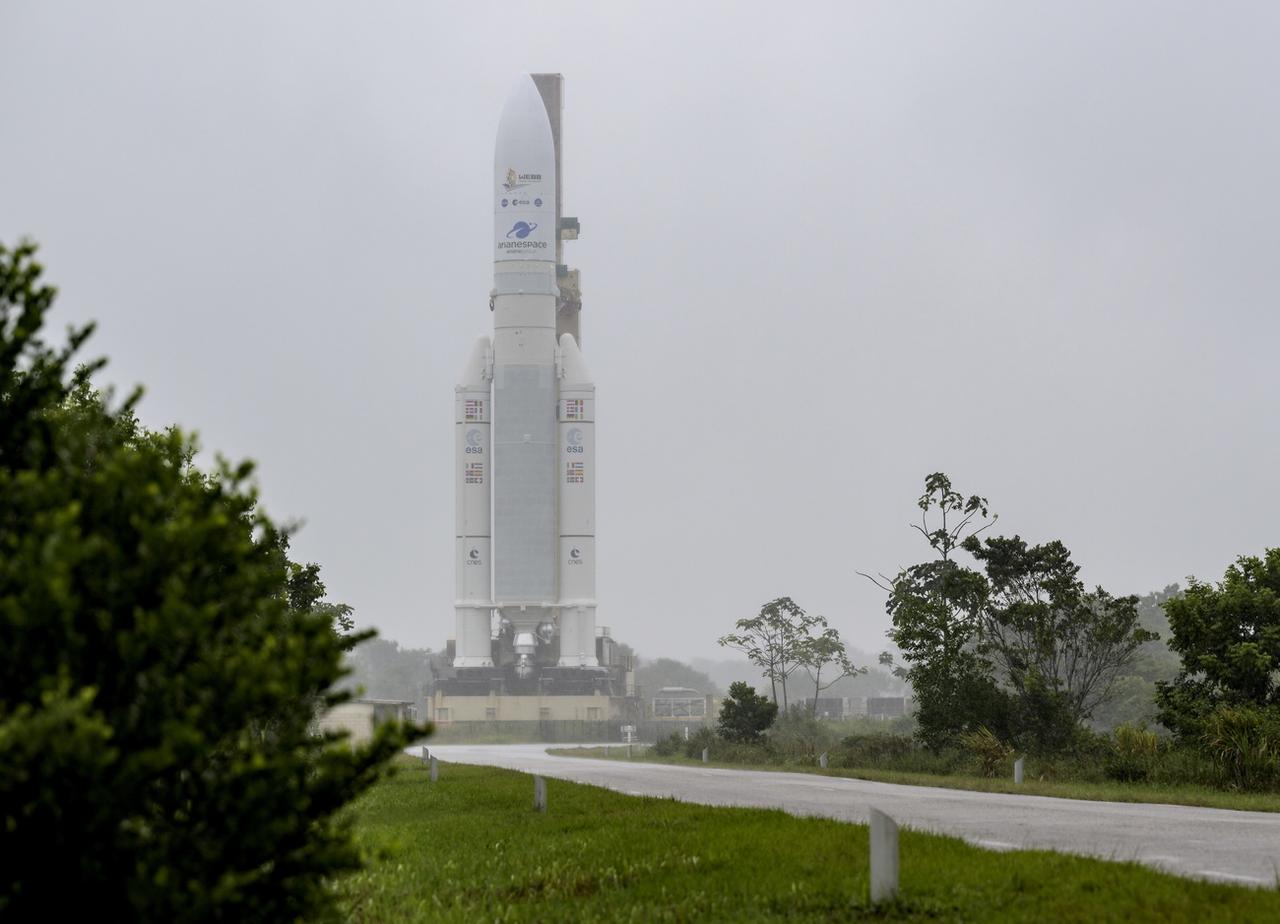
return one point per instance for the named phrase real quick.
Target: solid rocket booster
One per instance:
(525, 412)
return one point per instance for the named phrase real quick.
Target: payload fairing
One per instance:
(525, 425)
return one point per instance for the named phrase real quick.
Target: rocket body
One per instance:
(525, 442)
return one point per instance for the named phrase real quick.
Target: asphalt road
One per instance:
(1219, 844)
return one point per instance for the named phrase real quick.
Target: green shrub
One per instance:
(1244, 744)
(161, 662)
(991, 752)
(669, 746)
(745, 715)
(1134, 750)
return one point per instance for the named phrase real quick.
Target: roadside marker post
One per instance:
(539, 794)
(706, 755)
(426, 754)
(884, 857)
(822, 760)
(435, 769)
(1018, 766)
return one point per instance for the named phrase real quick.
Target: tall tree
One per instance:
(1047, 635)
(821, 650)
(774, 641)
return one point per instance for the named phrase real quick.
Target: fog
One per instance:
(826, 250)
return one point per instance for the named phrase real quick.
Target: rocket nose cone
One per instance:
(524, 126)
(524, 179)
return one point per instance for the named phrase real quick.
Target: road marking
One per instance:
(1234, 877)
(994, 845)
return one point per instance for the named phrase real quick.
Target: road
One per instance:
(1204, 843)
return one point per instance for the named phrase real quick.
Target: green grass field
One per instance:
(471, 848)
(1063, 789)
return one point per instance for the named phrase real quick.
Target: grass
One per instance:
(470, 848)
(1179, 794)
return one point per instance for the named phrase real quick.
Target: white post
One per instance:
(539, 794)
(686, 733)
(822, 760)
(1017, 770)
(884, 858)
(435, 770)
(426, 755)
(706, 755)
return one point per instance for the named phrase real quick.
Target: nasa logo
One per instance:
(504, 203)
(574, 438)
(522, 229)
(473, 443)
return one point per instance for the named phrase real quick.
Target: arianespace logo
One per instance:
(522, 229)
(516, 180)
(518, 237)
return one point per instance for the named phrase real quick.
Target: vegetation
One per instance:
(1228, 638)
(745, 715)
(1020, 648)
(782, 639)
(161, 661)
(471, 848)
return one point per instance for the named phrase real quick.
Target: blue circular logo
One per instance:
(538, 203)
(522, 229)
(504, 203)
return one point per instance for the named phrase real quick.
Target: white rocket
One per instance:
(525, 413)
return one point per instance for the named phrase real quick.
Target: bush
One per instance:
(797, 735)
(991, 752)
(1134, 750)
(1244, 744)
(699, 739)
(669, 746)
(161, 662)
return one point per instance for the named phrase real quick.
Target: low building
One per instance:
(680, 703)
(496, 707)
(359, 717)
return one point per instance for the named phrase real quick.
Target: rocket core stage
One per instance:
(525, 415)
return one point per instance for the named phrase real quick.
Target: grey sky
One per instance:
(826, 250)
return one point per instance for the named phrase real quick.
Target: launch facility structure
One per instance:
(525, 607)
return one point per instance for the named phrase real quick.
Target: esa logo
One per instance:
(473, 443)
(574, 440)
(473, 557)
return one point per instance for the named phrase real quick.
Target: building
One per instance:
(359, 717)
(681, 703)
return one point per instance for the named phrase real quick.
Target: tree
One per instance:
(1050, 638)
(652, 676)
(745, 715)
(816, 653)
(160, 662)
(936, 610)
(1021, 648)
(1228, 637)
(773, 640)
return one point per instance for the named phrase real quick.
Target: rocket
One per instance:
(525, 432)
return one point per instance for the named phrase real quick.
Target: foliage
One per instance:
(652, 676)
(470, 849)
(1042, 628)
(798, 734)
(160, 663)
(818, 651)
(991, 752)
(745, 714)
(775, 640)
(1134, 750)
(1228, 637)
(1244, 743)
(1021, 648)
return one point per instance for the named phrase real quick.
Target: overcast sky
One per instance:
(826, 249)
